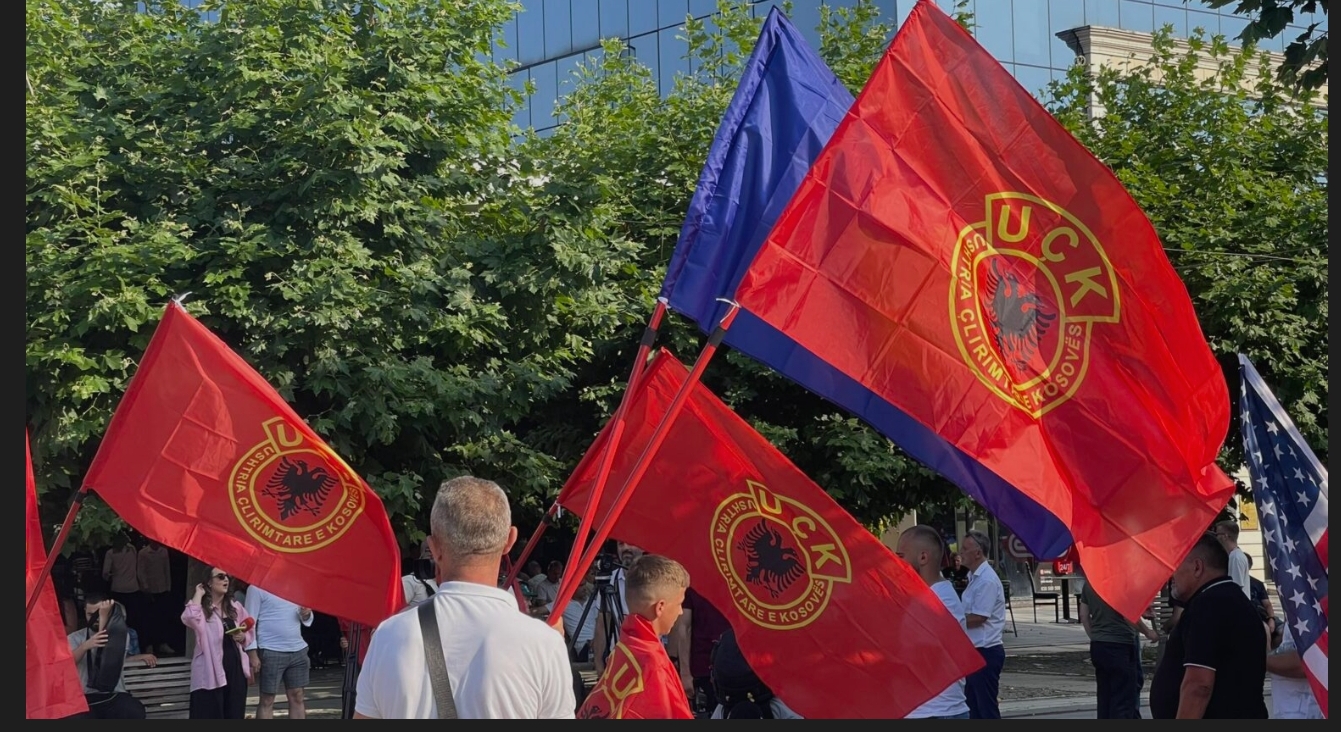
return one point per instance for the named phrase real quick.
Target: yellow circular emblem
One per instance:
(780, 559)
(1030, 283)
(293, 495)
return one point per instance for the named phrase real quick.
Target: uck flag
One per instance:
(805, 586)
(52, 687)
(957, 252)
(1290, 489)
(206, 457)
(785, 109)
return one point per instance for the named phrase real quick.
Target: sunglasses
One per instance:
(221, 576)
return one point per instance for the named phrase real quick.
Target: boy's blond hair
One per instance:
(652, 578)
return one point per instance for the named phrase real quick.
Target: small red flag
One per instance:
(827, 616)
(206, 457)
(52, 683)
(956, 251)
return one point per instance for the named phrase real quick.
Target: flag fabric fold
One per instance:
(206, 457)
(1290, 490)
(51, 682)
(957, 252)
(827, 616)
(785, 109)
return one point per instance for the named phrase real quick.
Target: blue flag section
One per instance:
(785, 110)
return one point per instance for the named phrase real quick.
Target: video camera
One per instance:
(605, 565)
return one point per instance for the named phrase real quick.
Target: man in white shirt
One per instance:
(628, 554)
(1228, 534)
(501, 663)
(278, 652)
(985, 620)
(923, 549)
(1291, 695)
(547, 589)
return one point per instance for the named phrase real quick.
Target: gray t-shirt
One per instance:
(75, 639)
(1106, 625)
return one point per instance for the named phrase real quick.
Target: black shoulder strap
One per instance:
(437, 664)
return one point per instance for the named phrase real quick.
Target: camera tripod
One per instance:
(610, 608)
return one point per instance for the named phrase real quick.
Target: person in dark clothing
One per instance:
(1215, 663)
(692, 640)
(1115, 651)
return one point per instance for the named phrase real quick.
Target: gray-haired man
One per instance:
(985, 618)
(501, 663)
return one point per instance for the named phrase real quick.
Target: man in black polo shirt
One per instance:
(1215, 663)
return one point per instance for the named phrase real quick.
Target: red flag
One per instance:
(206, 457)
(961, 255)
(803, 584)
(52, 683)
(639, 681)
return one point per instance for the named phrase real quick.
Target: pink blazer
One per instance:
(207, 671)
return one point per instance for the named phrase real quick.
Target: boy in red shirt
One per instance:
(639, 681)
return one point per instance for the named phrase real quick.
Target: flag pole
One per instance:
(75, 505)
(608, 456)
(514, 568)
(644, 461)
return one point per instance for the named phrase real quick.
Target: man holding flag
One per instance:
(1290, 488)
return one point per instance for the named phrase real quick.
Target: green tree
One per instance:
(1306, 55)
(1233, 175)
(336, 184)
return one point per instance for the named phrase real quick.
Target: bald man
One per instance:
(922, 548)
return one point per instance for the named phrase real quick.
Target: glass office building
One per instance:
(550, 37)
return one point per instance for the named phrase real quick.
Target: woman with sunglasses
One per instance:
(219, 673)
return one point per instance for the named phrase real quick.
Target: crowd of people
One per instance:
(461, 648)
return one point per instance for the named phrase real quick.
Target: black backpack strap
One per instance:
(437, 663)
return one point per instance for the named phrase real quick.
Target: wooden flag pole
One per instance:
(644, 462)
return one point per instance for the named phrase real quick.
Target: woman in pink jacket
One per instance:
(219, 671)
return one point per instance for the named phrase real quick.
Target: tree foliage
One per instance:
(1233, 174)
(1305, 64)
(340, 188)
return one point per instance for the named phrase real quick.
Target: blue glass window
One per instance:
(700, 8)
(993, 27)
(586, 28)
(1176, 17)
(1031, 32)
(1063, 15)
(531, 34)
(546, 93)
(806, 17)
(1033, 78)
(644, 49)
(1101, 13)
(558, 34)
(614, 18)
(671, 56)
(1231, 26)
(642, 16)
(1209, 22)
(670, 13)
(1137, 16)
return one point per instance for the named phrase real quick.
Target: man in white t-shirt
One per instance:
(984, 601)
(1228, 534)
(1291, 695)
(278, 652)
(502, 664)
(924, 550)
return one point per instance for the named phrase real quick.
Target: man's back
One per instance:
(951, 701)
(502, 664)
(1220, 630)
